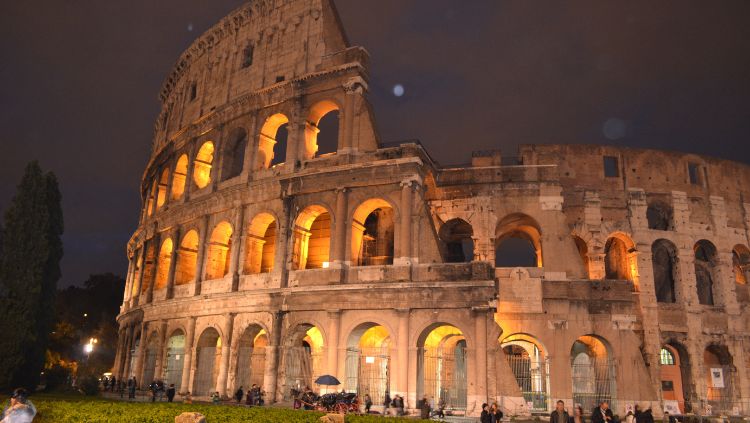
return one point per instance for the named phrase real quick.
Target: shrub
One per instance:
(89, 385)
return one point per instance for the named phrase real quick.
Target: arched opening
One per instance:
(151, 197)
(303, 358)
(741, 263)
(593, 372)
(175, 359)
(149, 361)
(705, 266)
(161, 196)
(233, 159)
(372, 233)
(148, 270)
(664, 261)
(659, 216)
(202, 165)
(251, 358)
(312, 239)
(187, 258)
(180, 177)
(323, 115)
(207, 359)
(518, 242)
(456, 238)
(136, 273)
(134, 352)
(272, 142)
(260, 244)
(367, 361)
(583, 252)
(671, 370)
(442, 365)
(217, 254)
(530, 365)
(619, 258)
(165, 260)
(719, 373)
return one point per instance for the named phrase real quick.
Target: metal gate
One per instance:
(368, 372)
(721, 400)
(532, 377)
(173, 369)
(204, 372)
(302, 366)
(250, 367)
(444, 376)
(134, 359)
(593, 381)
(149, 366)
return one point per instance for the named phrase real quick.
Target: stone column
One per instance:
(221, 379)
(189, 174)
(117, 368)
(480, 335)
(188, 356)
(402, 355)
(354, 89)
(334, 326)
(170, 180)
(685, 286)
(173, 262)
(237, 236)
(128, 345)
(141, 354)
(200, 261)
(128, 283)
(339, 245)
(273, 351)
(160, 351)
(407, 200)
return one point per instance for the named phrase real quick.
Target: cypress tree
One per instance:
(29, 271)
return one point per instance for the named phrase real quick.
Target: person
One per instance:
(559, 415)
(399, 405)
(112, 384)
(239, 394)
(187, 398)
(602, 414)
(121, 388)
(646, 417)
(215, 398)
(153, 387)
(386, 403)
(368, 403)
(485, 416)
(19, 409)
(495, 413)
(131, 388)
(441, 408)
(424, 408)
(578, 415)
(630, 417)
(668, 418)
(637, 413)
(170, 392)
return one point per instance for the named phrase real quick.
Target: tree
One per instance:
(29, 271)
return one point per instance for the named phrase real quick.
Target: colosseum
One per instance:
(281, 239)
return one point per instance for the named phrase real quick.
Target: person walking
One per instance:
(386, 403)
(578, 415)
(368, 403)
(559, 415)
(215, 398)
(424, 408)
(153, 387)
(602, 414)
(238, 395)
(170, 392)
(131, 388)
(495, 413)
(485, 416)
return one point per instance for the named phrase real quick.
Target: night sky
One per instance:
(79, 82)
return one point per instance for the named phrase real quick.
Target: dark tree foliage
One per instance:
(29, 271)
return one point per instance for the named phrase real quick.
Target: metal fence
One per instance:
(593, 382)
(149, 366)
(302, 366)
(173, 369)
(444, 376)
(368, 372)
(532, 377)
(205, 372)
(250, 367)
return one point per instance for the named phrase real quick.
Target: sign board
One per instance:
(672, 407)
(717, 377)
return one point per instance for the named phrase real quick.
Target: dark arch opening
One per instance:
(233, 159)
(659, 216)
(458, 246)
(663, 259)
(280, 149)
(328, 137)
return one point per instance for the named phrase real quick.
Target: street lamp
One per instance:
(89, 348)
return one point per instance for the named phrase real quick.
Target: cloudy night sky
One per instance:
(80, 82)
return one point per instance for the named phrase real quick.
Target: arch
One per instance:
(179, 177)
(161, 196)
(528, 360)
(659, 216)
(457, 242)
(664, 262)
(151, 197)
(174, 359)
(251, 357)
(207, 359)
(705, 268)
(260, 244)
(741, 263)
(442, 365)
(593, 372)
(368, 360)
(187, 258)
(163, 264)
(311, 243)
(149, 360)
(676, 376)
(137, 271)
(303, 357)
(202, 165)
(148, 269)
(373, 233)
(233, 157)
(321, 109)
(217, 253)
(619, 257)
(719, 373)
(518, 242)
(583, 252)
(270, 135)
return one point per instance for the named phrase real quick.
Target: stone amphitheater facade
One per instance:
(571, 272)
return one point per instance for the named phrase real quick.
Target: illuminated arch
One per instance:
(593, 371)
(317, 112)
(174, 359)
(163, 264)
(179, 177)
(267, 141)
(741, 263)
(312, 238)
(217, 253)
(583, 252)
(520, 232)
(442, 363)
(251, 357)
(373, 233)
(187, 258)
(620, 261)
(260, 244)
(303, 357)
(528, 360)
(202, 165)
(367, 361)
(208, 357)
(161, 196)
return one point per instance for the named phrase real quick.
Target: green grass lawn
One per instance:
(79, 409)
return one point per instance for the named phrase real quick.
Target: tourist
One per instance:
(424, 408)
(441, 408)
(19, 409)
(630, 417)
(239, 394)
(386, 403)
(495, 413)
(578, 415)
(602, 414)
(131, 388)
(485, 416)
(398, 405)
(215, 398)
(368, 403)
(112, 383)
(646, 417)
(153, 387)
(559, 415)
(637, 413)
(668, 418)
(170, 392)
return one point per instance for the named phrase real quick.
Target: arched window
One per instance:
(180, 176)
(272, 142)
(187, 257)
(161, 196)
(518, 242)
(663, 259)
(323, 114)
(456, 237)
(372, 233)
(666, 358)
(705, 264)
(165, 260)
(583, 252)
(202, 166)
(260, 244)
(217, 254)
(659, 216)
(233, 159)
(740, 263)
(312, 239)
(151, 197)
(618, 259)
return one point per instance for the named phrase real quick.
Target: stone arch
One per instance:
(719, 372)
(583, 253)
(367, 367)
(311, 245)
(705, 270)
(442, 363)
(161, 195)
(741, 263)
(303, 357)
(251, 357)
(373, 228)
(202, 165)
(674, 374)
(456, 238)
(151, 197)
(529, 361)
(659, 216)
(217, 251)
(273, 132)
(149, 360)
(175, 355)
(260, 244)
(187, 258)
(664, 261)
(619, 257)
(180, 177)
(233, 157)
(163, 263)
(207, 359)
(318, 111)
(593, 371)
(518, 242)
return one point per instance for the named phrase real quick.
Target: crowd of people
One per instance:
(254, 396)
(600, 414)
